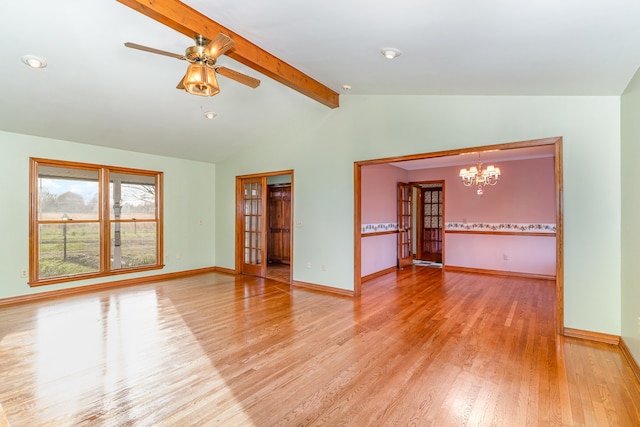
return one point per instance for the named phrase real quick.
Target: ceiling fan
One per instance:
(200, 78)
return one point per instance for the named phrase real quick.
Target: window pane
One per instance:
(132, 196)
(67, 193)
(133, 244)
(68, 249)
(76, 210)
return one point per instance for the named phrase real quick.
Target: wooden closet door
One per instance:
(279, 224)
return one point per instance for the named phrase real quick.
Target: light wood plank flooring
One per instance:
(420, 347)
(279, 272)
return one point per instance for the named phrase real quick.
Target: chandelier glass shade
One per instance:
(475, 175)
(201, 80)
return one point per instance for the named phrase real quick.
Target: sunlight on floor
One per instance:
(83, 366)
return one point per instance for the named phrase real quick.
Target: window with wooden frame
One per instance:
(91, 220)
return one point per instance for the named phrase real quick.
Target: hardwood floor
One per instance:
(279, 272)
(420, 347)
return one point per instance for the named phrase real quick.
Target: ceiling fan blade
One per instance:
(181, 84)
(152, 50)
(239, 77)
(218, 46)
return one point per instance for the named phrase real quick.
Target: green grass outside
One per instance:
(82, 247)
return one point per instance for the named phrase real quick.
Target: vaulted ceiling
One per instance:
(96, 91)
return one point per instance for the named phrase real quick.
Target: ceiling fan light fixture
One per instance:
(390, 52)
(201, 80)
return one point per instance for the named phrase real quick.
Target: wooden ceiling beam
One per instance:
(190, 22)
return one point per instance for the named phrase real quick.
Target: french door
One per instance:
(252, 222)
(430, 214)
(405, 224)
(252, 227)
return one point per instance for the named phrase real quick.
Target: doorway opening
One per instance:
(279, 231)
(263, 225)
(429, 223)
(420, 224)
(553, 144)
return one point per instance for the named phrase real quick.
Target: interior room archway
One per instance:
(554, 144)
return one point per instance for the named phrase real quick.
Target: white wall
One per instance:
(321, 145)
(631, 217)
(188, 198)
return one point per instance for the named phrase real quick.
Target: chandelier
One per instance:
(475, 175)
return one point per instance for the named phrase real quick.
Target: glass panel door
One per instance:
(431, 243)
(405, 221)
(253, 226)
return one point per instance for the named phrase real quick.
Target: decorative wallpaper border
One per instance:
(494, 227)
(379, 228)
(500, 227)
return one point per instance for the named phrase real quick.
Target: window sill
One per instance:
(76, 277)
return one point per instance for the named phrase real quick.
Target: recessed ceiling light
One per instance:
(346, 88)
(390, 52)
(34, 61)
(210, 115)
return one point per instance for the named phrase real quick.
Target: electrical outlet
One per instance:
(23, 274)
(308, 264)
(505, 257)
(323, 267)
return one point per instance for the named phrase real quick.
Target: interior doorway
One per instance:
(264, 237)
(429, 221)
(555, 143)
(279, 232)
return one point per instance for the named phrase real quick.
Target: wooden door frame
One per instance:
(555, 141)
(420, 209)
(239, 209)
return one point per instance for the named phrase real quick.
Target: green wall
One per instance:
(321, 146)
(630, 119)
(189, 206)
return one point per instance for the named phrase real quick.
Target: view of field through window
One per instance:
(71, 224)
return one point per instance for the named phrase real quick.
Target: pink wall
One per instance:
(525, 194)
(525, 254)
(379, 193)
(379, 204)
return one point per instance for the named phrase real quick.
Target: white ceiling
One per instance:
(96, 91)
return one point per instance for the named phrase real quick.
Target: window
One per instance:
(91, 220)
